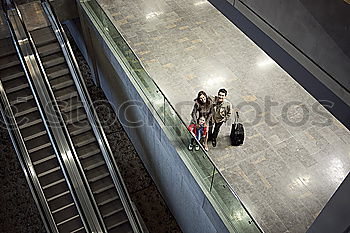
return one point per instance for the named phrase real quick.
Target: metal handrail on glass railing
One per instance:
(217, 186)
(93, 118)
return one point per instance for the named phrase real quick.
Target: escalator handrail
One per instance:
(93, 118)
(59, 141)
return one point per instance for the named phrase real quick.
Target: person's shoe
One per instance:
(206, 148)
(190, 147)
(214, 142)
(196, 147)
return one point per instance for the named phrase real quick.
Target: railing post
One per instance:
(212, 179)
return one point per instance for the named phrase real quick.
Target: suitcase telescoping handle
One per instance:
(236, 117)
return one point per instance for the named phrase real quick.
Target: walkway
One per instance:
(296, 153)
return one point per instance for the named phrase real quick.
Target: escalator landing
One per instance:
(33, 15)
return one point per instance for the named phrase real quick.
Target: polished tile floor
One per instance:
(296, 153)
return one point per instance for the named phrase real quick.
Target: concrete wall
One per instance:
(183, 195)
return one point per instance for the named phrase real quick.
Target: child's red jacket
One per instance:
(193, 128)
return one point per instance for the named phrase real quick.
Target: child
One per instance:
(199, 131)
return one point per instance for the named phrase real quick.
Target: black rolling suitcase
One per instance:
(237, 132)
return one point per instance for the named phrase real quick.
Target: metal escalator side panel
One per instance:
(93, 118)
(58, 136)
(26, 164)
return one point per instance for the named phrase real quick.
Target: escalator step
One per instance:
(79, 230)
(6, 47)
(12, 76)
(106, 197)
(24, 112)
(102, 189)
(61, 202)
(35, 135)
(57, 73)
(87, 153)
(53, 60)
(71, 105)
(69, 92)
(116, 220)
(72, 225)
(8, 64)
(75, 116)
(48, 49)
(50, 178)
(44, 159)
(67, 220)
(21, 96)
(98, 177)
(84, 139)
(31, 123)
(94, 165)
(43, 36)
(64, 207)
(39, 147)
(17, 88)
(73, 131)
(48, 172)
(61, 85)
(58, 196)
(21, 99)
(53, 183)
(107, 210)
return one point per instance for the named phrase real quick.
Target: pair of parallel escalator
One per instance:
(82, 190)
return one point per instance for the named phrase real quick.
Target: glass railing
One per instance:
(229, 207)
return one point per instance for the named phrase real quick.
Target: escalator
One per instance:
(23, 110)
(91, 146)
(59, 139)
(80, 130)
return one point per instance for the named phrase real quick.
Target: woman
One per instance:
(203, 106)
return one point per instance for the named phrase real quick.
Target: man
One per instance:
(222, 112)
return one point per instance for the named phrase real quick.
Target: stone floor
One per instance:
(18, 212)
(295, 154)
